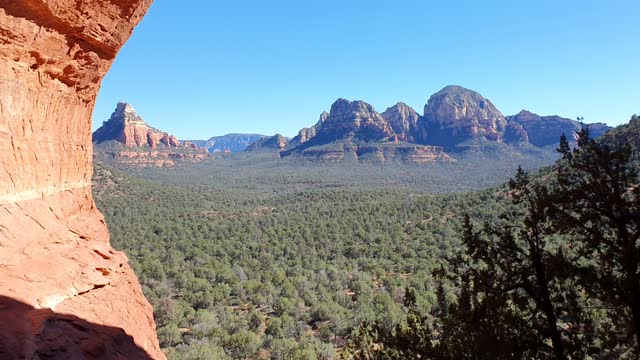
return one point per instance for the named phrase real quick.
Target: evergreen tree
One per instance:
(597, 201)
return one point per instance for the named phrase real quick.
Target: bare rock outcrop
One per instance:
(455, 114)
(347, 121)
(128, 128)
(546, 130)
(455, 120)
(143, 145)
(355, 130)
(355, 119)
(515, 134)
(404, 121)
(55, 256)
(269, 143)
(307, 134)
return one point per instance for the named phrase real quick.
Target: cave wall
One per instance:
(54, 245)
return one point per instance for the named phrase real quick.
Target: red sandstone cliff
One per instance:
(64, 292)
(143, 145)
(127, 127)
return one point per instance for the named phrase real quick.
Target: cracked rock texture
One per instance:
(55, 256)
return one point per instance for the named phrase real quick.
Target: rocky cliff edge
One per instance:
(79, 297)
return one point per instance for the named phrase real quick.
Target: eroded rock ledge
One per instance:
(55, 256)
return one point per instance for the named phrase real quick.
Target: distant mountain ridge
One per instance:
(455, 121)
(276, 142)
(454, 118)
(233, 143)
(543, 130)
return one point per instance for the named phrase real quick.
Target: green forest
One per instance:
(259, 263)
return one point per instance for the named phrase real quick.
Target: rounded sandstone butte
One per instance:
(65, 292)
(455, 114)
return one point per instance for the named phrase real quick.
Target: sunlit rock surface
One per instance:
(57, 268)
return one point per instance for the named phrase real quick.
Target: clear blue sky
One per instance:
(199, 68)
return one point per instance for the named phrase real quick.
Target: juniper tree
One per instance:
(597, 201)
(510, 264)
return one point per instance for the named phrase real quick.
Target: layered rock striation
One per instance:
(143, 145)
(378, 153)
(128, 128)
(347, 121)
(455, 120)
(56, 263)
(455, 114)
(155, 158)
(355, 130)
(354, 119)
(404, 121)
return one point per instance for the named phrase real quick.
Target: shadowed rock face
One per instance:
(454, 119)
(50, 335)
(54, 245)
(546, 130)
(355, 119)
(515, 133)
(404, 121)
(355, 130)
(307, 134)
(348, 120)
(276, 142)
